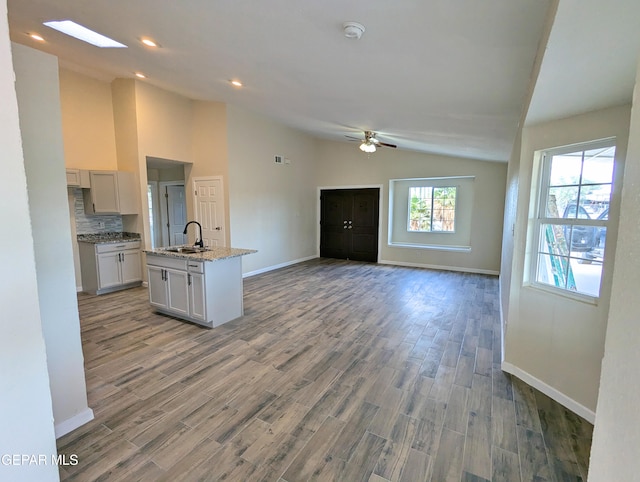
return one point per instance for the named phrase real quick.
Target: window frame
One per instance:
(431, 230)
(541, 218)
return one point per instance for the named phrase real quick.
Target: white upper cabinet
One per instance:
(111, 192)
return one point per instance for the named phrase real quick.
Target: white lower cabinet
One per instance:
(197, 291)
(109, 267)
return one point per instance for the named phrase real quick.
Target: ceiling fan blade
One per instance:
(354, 138)
(387, 145)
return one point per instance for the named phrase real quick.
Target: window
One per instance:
(432, 209)
(573, 217)
(431, 213)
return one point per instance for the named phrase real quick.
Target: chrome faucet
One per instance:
(198, 242)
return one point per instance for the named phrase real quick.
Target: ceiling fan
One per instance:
(370, 143)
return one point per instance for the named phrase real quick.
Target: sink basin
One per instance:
(186, 249)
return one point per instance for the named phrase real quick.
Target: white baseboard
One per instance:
(73, 423)
(561, 398)
(277, 266)
(445, 268)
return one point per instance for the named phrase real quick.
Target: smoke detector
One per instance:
(353, 30)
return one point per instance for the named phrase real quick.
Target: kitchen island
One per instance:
(203, 286)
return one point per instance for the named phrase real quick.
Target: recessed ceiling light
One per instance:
(148, 42)
(83, 33)
(37, 37)
(140, 75)
(237, 83)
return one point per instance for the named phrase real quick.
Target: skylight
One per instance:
(73, 29)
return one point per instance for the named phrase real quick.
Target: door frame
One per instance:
(347, 187)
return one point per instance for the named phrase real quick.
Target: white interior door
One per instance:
(209, 209)
(177, 209)
(173, 212)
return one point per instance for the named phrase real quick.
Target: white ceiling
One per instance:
(441, 76)
(590, 61)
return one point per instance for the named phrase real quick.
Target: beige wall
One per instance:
(87, 122)
(342, 164)
(210, 152)
(616, 438)
(554, 342)
(272, 206)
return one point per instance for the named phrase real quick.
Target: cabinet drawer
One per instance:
(165, 262)
(111, 247)
(195, 266)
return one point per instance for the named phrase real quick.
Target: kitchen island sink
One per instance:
(186, 249)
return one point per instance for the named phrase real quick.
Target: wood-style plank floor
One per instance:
(338, 371)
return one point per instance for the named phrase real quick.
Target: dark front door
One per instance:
(349, 224)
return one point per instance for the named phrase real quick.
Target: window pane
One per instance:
(554, 239)
(565, 169)
(561, 202)
(587, 275)
(598, 169)
(595, 199)
(553, 270)
(444, 208)
(420, 208)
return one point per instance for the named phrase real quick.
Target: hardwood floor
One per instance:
(338, 371)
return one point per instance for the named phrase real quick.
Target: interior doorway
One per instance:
(349, 221)
(167, 206)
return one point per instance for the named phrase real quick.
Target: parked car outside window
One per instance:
(583, 238)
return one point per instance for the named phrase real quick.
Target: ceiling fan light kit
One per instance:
(369, 144)
(367, 147)
(353, 30)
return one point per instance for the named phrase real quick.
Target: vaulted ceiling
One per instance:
(438, 76)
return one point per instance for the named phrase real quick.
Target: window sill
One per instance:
(435, 247)
(570, 295)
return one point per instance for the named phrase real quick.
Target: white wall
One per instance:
(553, 342)
(26, 415)
(616, 438)
(272, 206)
(343, 164)
(40, 123)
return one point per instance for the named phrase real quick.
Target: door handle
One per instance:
(218, 228)
(189, 279)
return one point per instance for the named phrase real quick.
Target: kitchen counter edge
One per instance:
(214, 254)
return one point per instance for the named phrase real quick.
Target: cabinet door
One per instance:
(131, 266)
(157, 287)
(109, 270)
(197, 302)
(177, 290)
(104, 192)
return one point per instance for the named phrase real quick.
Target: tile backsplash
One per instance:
(86, 224)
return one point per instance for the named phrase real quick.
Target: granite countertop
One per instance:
(212, 254)
(100, 238)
